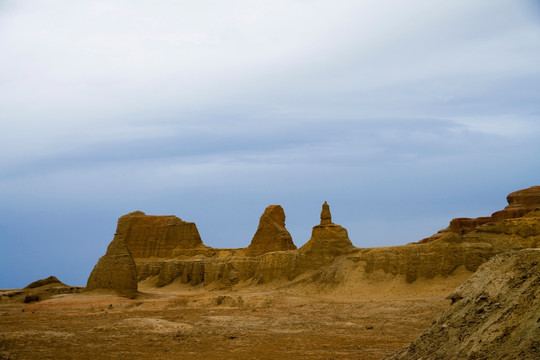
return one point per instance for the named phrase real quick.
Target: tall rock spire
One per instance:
(328, 240)
(271, 234)
(326, 216)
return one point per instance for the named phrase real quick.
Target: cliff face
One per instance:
(157, 236)
(494, 315)
(116, 270)
(166, 249)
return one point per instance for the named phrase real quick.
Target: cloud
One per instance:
(400, 114)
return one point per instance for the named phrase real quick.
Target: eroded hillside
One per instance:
(167, 250)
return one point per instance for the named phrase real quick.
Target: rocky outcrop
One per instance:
(216, 271)
(167, 249)
(115, 270)
(327, 239)
(517, 233)
(494, 315)
(47, 281)
(426, 261)
(39, 290)
(271, 233)
(519, 203)
(157, 236)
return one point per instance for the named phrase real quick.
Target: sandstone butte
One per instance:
(160, 250)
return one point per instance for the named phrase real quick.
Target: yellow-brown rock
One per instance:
(494, 315)
(519, 203)
(116, 270)
(149, 236)
(326, 216)
(167, 249)
(517, 233)
(271, 234)
(327, 239)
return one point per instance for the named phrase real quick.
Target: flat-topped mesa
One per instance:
(157, 236)
(328, 239)
(519, 204)
(271, 234)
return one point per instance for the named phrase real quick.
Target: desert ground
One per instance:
(178, 321)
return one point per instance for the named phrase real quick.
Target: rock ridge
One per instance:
(166, 249)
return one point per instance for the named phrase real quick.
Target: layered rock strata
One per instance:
(494, 315)
(157, 236)
(116, 270)
(166, 249)
(520, 203)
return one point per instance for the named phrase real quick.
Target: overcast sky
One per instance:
(401, 114)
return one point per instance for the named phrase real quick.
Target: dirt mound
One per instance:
(42, 289)
(271, 233)
(115, 270)
(494, 315)
(42, 282)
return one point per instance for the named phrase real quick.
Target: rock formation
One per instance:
(520, 203)
(157, 236)
(167, 249)
(326, 216)
(327, 239)
(39, 290)
(494, 315)
(271, 234)
(50, 280)
(115, 270)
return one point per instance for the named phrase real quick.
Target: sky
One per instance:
(402, 115)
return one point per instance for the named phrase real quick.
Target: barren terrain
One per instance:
(255, 323)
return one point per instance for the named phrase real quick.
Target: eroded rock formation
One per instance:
(271, 234)
(327, 239)
(520, 203)
(494, 315)
(166, 249)
(157, 236)
(116, 270)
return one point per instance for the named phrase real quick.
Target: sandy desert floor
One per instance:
(180, 323)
